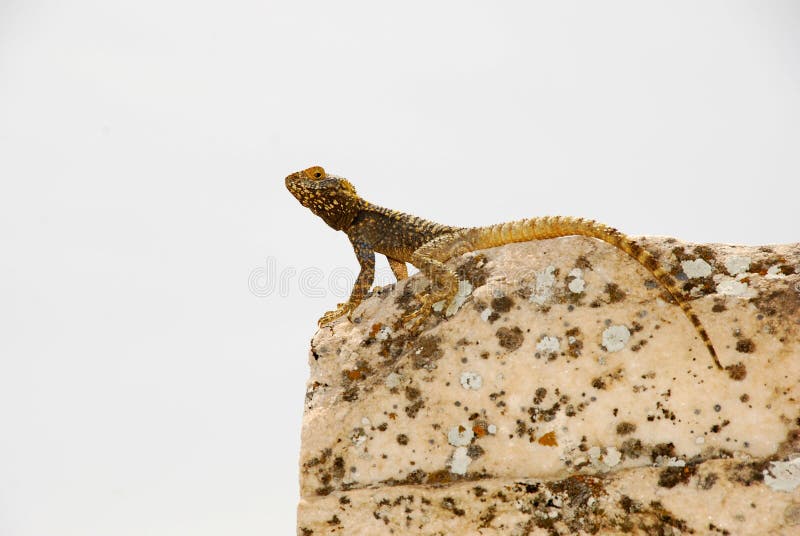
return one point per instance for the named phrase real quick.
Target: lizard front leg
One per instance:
(366, 259)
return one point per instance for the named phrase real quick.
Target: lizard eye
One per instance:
(315, 173)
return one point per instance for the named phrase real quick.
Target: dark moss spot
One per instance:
(448, 503)
(708, 481)
(414, 408)
(599, 383)
(338, 468)
(737, 372)
(383, 426)
(402, 439)
(628, 505)
(502, 304)
(351, 394)
(615, 294)
(583, 263)
(718, 427)
(412, 393)
(306, 532)
(748, 473)
(405, 298)
(745, 346)
(579, 489)
(487, 517)
(414, 477)
(662, 449)
(426, 352)
(475, 451)
(672, 476)
(625, 428)
(744, 398)
(574, 343)
(510, 338)
(719, 305)
(539, 395)
(784, 301)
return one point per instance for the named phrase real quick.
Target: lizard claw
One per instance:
(341, 310)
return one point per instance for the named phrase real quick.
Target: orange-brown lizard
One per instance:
(428, 245)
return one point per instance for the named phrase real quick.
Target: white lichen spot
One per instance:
(393, 380)
(696, 268)
(548, 344)
(612, 457)
(471, 380)
(774, 272)
(594, 453)
(492, 429)
(577, 285)
(464, 290)
(615, 338)
(383, 333)
(699, 440)
(460, 461)
(783, 476)
(460, 436)
(545, 279)
(666, 461)
(737, 264)
(486, 313)
(365, 421)
(728, 286)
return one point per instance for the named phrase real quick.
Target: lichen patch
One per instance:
(459, 461)
(783, 476)
(471, 380)
(545, 281)
(548, 345)
(697, 268)
(737, 264)
(576, 283)
(460, 436)
(728, 286)
(615, 338)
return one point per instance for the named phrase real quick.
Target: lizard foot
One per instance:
(341, 310)
(420, 315)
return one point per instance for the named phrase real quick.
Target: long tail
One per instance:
(555, 226)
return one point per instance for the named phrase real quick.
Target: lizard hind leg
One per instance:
(444, 285)
(399, 268)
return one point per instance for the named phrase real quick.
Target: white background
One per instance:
(144, 389)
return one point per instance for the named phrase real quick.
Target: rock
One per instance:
(566, 394)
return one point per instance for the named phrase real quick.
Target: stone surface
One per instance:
(566, 394)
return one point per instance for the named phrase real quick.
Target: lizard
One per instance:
(429, 245)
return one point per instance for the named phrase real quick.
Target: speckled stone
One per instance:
(565, 395)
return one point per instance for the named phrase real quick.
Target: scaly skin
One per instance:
(428, 245)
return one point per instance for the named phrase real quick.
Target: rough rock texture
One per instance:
(565, 394)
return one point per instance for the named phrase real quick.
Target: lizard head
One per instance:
(330, 197)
